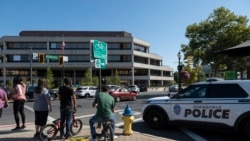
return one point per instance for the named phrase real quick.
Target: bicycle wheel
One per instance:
(48, 131)
(76, 126)
(108, 133)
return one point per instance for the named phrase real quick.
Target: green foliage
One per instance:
(9, 84)
(116, 78)
(222, 29)
(87, 80)
(108, 81)
(95, 81)
(49, 78)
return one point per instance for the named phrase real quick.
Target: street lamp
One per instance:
(179, 70)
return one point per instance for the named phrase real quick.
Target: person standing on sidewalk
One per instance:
(105, 111)
(19, 89)
(3, 100)
(42, 106)
(66, 95)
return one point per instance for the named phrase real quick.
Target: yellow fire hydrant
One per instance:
(128, 119)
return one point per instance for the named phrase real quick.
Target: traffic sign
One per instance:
(230, 75)
(100, 63)
(35, 55)
(52, 57)
(103, 63)
(100, 49)
(97, 63)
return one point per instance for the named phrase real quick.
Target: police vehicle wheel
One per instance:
(246, 132)
(156, 119)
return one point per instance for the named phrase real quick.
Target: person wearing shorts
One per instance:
(42, 106)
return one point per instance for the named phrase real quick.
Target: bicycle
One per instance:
(49, 131)
(106, 130)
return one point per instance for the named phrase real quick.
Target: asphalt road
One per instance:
(85, 111)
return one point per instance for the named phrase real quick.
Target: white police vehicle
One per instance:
(212, 103)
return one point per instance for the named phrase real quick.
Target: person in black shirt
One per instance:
(66, 96)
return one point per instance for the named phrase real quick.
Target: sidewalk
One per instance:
(27, 134)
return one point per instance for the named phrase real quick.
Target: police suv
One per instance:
(213, 103)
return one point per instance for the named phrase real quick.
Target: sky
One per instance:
(161, 23)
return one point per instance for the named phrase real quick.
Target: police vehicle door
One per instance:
(189, 104)
(225, 102)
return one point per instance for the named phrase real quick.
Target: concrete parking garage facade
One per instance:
(128, 55)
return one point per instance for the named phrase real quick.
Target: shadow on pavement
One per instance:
(171, 132)
(12, 132)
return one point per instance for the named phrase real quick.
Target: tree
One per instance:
(222, 29)
(116, 78)
(49, 78)
(95, 81)
(108, 80)
(87, 80)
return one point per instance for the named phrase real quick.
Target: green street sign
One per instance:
(230, 75)
(52, 57)
(103, 64)
(100, 49)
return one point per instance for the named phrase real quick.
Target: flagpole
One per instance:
(63, 45)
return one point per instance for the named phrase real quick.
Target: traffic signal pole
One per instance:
(31, 58)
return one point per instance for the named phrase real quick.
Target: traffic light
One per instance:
(61, 60)
(41, 58)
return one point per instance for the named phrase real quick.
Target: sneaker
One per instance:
(36, 135)
(23, 127)
(17, 128)
(61, 137)
(115, 137)
(67, 136)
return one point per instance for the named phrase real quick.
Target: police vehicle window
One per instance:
(194, 91)
(226, 91)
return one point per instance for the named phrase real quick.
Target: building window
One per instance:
(142, 60)
(154, 62)
(119, 58)
(140, 48)
(26, 45)
(70, 46)
(119, 46)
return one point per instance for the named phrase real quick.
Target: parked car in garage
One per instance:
(121, 94)
(30, 90)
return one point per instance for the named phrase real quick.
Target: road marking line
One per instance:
(49, 120)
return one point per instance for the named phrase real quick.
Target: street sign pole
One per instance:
(100, 52)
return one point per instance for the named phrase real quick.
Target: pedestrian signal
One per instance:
(41, 58)
(61, 60)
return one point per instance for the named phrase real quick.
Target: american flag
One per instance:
(63, 45)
